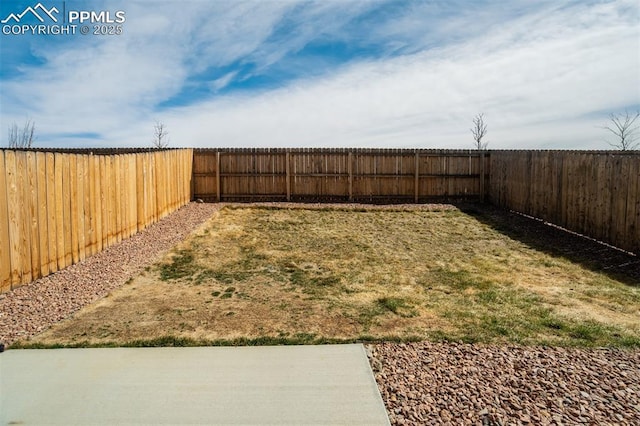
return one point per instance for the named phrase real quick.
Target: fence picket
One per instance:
(41, 206)
(51, 212)
(59, 199)
(15, 232)
(5, 248)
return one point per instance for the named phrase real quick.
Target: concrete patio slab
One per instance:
(328, 384)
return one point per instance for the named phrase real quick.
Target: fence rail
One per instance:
(594, 193)
(59, 208)
(339, 175)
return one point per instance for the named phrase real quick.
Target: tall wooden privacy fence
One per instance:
(594, 193)
(58, 208)
(339, 175)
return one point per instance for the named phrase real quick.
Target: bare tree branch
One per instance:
(160, 135)
(13, 135)
(479, 130)
(22, 138)
(623, 128)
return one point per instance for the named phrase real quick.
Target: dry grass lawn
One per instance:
(258, 274)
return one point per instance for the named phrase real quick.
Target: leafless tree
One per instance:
(479, 130)
(160, 135)
(22, 138)
(624, 129)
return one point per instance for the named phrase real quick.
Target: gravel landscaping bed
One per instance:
(449, 383)
(32, 308)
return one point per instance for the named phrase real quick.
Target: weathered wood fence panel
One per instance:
(593, 193)
(382, 175)
(317, 175)
(57, 209)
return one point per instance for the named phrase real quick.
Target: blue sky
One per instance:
(381, 74)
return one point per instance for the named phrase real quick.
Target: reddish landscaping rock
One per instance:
(440, 383)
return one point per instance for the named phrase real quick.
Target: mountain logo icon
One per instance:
(43, 11)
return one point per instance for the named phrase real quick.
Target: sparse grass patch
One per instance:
(294, 276)
(179, 266)
(398, 306)
(174, 341)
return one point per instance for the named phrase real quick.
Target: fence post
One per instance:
(288, 168)
(218, 197)
(417, 177)
(192, 184)
(350, 167)
(482, 196)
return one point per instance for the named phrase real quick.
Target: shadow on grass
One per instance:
(592, 255)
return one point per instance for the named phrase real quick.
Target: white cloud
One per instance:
(223, 81)
(535, 79)
(109, 84)
(540, 79)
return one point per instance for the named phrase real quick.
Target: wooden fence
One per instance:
(58, 208)
(363, 175)
(594, 193)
